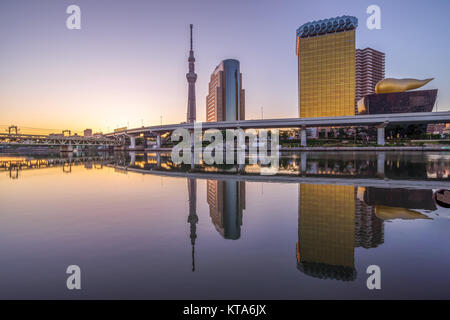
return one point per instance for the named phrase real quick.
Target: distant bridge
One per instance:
(67, 143)
(378, 120)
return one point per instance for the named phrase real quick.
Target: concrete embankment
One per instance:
(353, 149)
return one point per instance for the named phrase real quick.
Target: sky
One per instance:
(127, 64)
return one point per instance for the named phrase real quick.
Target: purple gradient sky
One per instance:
(128, 62)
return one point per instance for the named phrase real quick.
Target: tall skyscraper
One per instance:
(326, 67)
(191, 77)
(226, 98)
(370, 66)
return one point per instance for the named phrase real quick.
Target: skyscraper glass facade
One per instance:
(232, 92)
(326, 68)
(226, 98)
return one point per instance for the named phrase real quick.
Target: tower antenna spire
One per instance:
(192, 26)
(191, 77)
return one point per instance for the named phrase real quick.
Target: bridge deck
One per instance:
(29, 139)
(366, 182)
(360, 120)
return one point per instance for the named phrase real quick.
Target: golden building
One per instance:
(326, 67)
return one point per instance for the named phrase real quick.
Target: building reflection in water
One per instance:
(369, 229)
(334, 220)
(326, 231)
(15, 164)
(226, 200)
(392, 204)
(377, 165)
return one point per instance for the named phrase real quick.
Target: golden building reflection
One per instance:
(226, 200)
(326, 237)
(332, 222)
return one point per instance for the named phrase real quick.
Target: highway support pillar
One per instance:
(158, 140)
(158, 159)
(132, 142)
(303, 162)
(132, 159)
(303, 136)
(381, 159)
(380, 134)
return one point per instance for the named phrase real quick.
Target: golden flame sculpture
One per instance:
(399, 85)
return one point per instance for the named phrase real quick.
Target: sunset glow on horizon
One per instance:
(127, 65)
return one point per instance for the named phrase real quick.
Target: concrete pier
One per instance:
(132, 142)
(132, 159)
(158, 159)
(303, 162)
(380, 134)
(381, 159)
(303, 136)
(66, 148)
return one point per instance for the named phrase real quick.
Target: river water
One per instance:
(139, 226)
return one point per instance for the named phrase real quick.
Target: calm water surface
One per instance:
(141, 227)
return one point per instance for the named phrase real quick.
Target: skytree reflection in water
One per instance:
(226, 201)
(334, 220)
(192, 218)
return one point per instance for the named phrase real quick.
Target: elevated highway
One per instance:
(378, 120)
(366, 182)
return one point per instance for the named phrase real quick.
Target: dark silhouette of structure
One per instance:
(193, 218)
